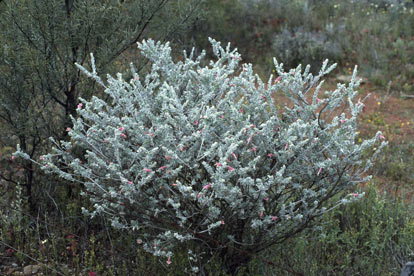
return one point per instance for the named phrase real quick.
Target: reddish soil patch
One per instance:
(390, 114)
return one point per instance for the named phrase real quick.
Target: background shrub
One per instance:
(302, 47)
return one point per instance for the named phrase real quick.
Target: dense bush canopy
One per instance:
(202, 151)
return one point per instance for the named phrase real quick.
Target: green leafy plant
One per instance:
(370, 237)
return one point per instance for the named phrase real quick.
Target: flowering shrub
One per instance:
(204, 152)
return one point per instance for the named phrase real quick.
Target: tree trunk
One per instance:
(234, 260)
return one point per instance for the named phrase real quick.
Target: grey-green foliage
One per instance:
(42, 40)
(300, 46)
(203, 151)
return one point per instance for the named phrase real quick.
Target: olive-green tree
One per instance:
(40, 43)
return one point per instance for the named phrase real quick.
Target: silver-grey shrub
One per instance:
(204, 152)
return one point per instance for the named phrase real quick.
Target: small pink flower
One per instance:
(139, 241)
(68, 129)
(270, 155)
(136, 77)
(343, 121)
(207, 186)
(80, 106)
(163, 167)
(123, 135)
(253, 149)
(355, 194)
(219, 165)
(234, 155)
(105, 141)
(121, 129)
(381, 137)
(222, 222)
(155, 245)
(168, 157)
(319, 171)
(92, 273)
(274, 218)
(249, 139)
(318, 100)
(147, 170)
(195, 122)
(199, 195)
(12, 158)
(261, 214)
(169, 261)
(241, 110)
(252, 126)
(287, 146)
(222, 116)
(41, 157)
(174, 184)
(277, 79)
(232, 85)
(266, 198)
(230, 168)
